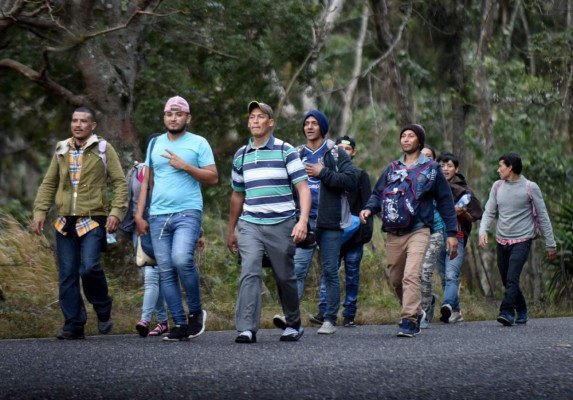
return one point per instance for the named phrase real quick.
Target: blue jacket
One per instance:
(440, 192)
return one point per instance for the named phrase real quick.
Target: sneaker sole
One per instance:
(60, 337)
(504, 321)
(245, 339)
(403, 334)
(157, 334)
(279, 323)
(202, 329)
(182, 339)
(314, 320)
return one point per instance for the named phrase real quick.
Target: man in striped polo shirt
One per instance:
(263, 209)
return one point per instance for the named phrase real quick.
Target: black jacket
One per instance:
(460, 187)
(335, 179)
(357, 200)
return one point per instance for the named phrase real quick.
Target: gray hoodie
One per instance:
(515, 219)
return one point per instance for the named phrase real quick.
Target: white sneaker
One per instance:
(327, 328)
(456, 317)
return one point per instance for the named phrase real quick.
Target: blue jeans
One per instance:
(510, 262)
(352, 259)
(174, 238)
(79, 257)
(329, 243)
(153, 299)
(450, 271)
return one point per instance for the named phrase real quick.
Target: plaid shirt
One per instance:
(83, 224)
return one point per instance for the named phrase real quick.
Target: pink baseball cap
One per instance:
(178, 102)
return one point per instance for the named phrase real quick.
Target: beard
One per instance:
(176, 131)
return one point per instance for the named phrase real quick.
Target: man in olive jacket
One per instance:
(77, 181)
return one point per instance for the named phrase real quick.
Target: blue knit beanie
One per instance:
(320, 117)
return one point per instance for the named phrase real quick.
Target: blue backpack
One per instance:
(400, 198)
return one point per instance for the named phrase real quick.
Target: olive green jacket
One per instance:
(91, 197)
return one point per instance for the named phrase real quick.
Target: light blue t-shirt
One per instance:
(175, 190)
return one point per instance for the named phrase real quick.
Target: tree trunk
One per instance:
(332, 11)
(350, 91)
(398, 85)
(481, 76)
(458, 84)
(104, 45)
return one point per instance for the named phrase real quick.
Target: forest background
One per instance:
(483, 77)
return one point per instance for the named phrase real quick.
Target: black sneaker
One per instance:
(71, 335)
(506, 319)
(291, 334)
(280, 321)
(178, 333)
(522, 317)
(317, 319)
(446, 312)
(196, 324)
(104, 324)
(349, 322)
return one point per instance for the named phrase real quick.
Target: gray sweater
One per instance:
(513, 209)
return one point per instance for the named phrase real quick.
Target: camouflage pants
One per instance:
(434, 249)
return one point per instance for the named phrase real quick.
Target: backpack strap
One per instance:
(282, 155)
(334, 152)
(152, 144)
(101, 148)
(528, 188)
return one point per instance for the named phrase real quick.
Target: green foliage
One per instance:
(560, 271)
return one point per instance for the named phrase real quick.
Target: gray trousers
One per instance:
(253, 240)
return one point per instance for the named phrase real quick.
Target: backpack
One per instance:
(127, 224)
(399, 200)
(536, 224)
(101, 146)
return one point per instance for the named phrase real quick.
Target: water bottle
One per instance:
(464, 200)
(111, 238)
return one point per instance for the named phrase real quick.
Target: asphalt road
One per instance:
(468, 360)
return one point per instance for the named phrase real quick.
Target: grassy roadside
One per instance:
(28, 280)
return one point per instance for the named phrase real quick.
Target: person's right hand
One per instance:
(232, 243)
(364, 215)
(299, 231)
(483, 241)
(142, 226)
(38, 226)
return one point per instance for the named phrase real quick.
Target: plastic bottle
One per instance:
(111, 238)
(464, 200)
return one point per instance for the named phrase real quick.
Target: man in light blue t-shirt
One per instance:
(179, 162)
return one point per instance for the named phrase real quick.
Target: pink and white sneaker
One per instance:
(160, 329)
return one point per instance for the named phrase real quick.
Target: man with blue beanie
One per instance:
(331, 174)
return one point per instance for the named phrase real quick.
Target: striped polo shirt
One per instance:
(265, 175)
